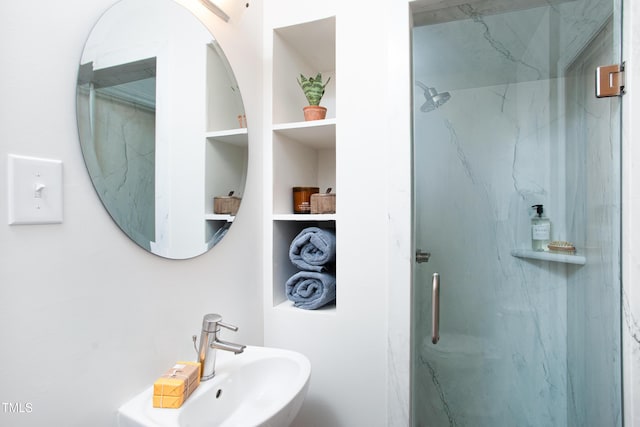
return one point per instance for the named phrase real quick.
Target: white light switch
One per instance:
(35, 190)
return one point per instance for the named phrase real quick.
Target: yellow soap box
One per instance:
(172, 402)
(175, 386)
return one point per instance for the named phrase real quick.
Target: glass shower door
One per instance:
(505, 118)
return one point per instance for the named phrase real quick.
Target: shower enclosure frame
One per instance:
(401, 253)
(524, 129)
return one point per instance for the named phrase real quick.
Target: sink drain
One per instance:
(218, 393)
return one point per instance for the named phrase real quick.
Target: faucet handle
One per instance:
(210, 323)
(226, 325)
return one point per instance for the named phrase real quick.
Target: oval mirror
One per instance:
(162, 127)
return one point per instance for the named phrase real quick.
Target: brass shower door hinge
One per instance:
(610, 80)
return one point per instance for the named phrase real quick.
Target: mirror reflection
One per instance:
(162, 127)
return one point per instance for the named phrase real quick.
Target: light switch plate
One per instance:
(35, 190)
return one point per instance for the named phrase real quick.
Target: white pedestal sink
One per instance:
(259, 387)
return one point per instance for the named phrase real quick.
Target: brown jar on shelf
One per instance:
(302, 199)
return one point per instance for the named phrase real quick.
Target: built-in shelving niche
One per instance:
(303, 153)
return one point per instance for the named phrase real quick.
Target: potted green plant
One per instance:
(314, 90)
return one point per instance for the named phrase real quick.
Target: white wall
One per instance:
(348, 346)
(87, 318)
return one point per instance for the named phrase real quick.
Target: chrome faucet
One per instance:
(210, 342)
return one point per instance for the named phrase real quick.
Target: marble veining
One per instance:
(441, 394)
(632, 327)
(495, 44)
(460, 152)
(120, 154)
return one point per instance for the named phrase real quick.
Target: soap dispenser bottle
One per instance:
(540, 229)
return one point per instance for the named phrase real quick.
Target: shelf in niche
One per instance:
(316, 133)
(230, 136)
(219, 217)
(549, 256)
(288, 306)
(304, 217)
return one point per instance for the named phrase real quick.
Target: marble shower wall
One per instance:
(122, 163)
(540, 338)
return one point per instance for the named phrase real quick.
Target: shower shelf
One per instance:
(549, 256)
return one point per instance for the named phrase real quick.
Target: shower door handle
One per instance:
(435, 308)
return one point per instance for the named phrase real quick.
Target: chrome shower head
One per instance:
(433, 99)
